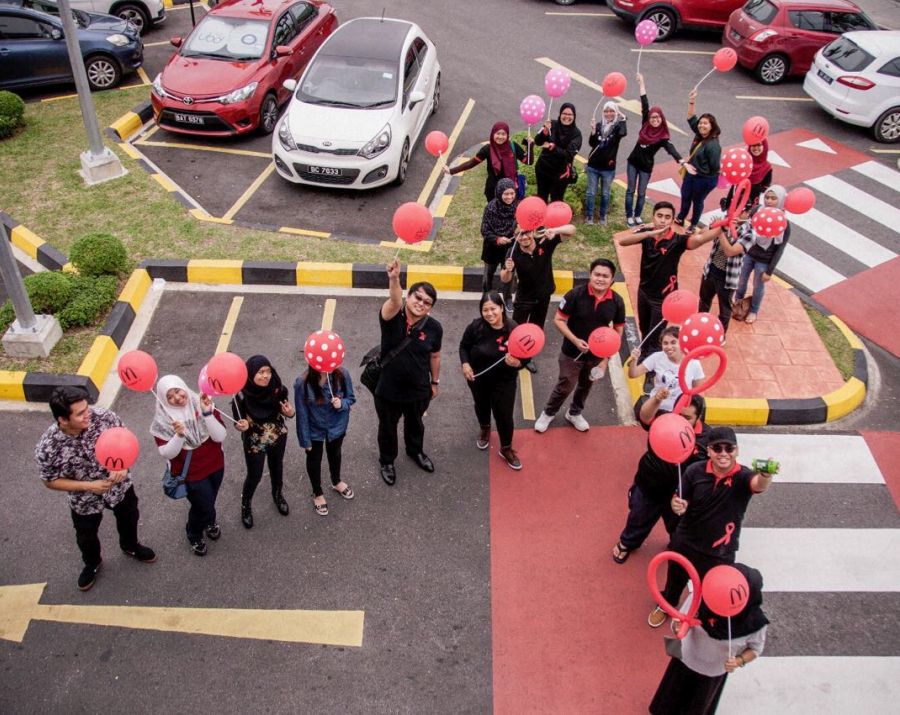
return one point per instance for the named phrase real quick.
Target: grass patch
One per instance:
(65, 357)
(834, 340)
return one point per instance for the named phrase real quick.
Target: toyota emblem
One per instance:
(188, 100)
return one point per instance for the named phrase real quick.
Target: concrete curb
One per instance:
(130, 123)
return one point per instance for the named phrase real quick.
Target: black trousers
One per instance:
(314, 462)
(573, 375)
(713, 286)
(490, 269)
(201, 495)
(256, 461)
(497, 398)
(389, 414)
(643, 513)
(677, 578)
(87, 527)
(649, 315)
(531, 311)
(549, 186)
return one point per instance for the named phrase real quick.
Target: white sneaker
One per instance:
(543, 422)
(629, 220)
(577, 421)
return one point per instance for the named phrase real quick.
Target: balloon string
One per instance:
(330, 388)
(236, 408)
(550, 108)
(704, 77)
(226, 416)
(594, 115)
(729, 636)
(679, 480)
(488, 368)
(640, 52)
(646, 337)
(162, 404)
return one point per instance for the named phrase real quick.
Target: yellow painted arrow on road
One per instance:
(19, 605)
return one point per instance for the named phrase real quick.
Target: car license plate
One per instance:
(735, 36)
(824, 76)
(324, 170)
(188, 118)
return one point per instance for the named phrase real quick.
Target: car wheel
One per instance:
(772, 69)
(268, 114)
(436, 97)
(404, 164)
(136, 15)
(102, 72)
(665, 20)
(887, 127)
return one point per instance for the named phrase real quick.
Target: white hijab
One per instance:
(605, 126)
(765, 241)
(195, 432)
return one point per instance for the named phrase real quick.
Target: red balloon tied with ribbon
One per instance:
(604, 342)
(799, 200)
(412, 222)
(436, 143)
(725, 59)
(679, 305)
(725, 590)
(324, 351)
(117, 449)
(525, 341)
(756, 130)
(672, 438)
(736, 164)
(137, 370)
(226, 373)
(614, 84)
(531, 212)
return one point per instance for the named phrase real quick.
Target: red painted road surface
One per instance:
(885, 447)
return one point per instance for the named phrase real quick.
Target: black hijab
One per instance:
(748, 621)
(262, 403)
(500, 217)
(564, 135)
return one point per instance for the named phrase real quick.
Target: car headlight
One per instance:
(284, 136)
(377, 144)
(118, 40)
(238, 95)
(158, 88)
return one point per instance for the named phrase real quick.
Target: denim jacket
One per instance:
(322, 422)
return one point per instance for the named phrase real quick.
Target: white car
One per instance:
(856, 79)
(143, 14)
(360, 106)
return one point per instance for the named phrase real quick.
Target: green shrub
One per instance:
(12, 113)
(91, 296)
(99, 254)
(7, 316)
(49, 291)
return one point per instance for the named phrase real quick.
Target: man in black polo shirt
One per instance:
(582, 310)
(714, 498)
(409, 379)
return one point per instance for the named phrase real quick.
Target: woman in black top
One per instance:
(560, 140)
(654, 135)
(483, 345)
(498, 228)
(703, 164)
(601, 165)
(501, 156)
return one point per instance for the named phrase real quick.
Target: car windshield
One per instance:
(227, 38)
(51, 8)
(847, 55)
(761, 10)
(349, 82)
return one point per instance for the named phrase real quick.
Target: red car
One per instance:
(227, 76)
(673, 15)
(777, 38)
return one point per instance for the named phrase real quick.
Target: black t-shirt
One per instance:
(657, 478)
(481, 346)
(586, 312)
(716, 507)
(407, 376)
(535, 270)
(659, 264)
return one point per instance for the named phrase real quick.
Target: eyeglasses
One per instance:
(427, 302)
(567, 114)
(722, 447)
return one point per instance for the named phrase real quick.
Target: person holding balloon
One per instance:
(665, 365)
(68, 461)
(498, 228)
(721, 273)
(701, 172)
(560, 141)
(502, 157)
(189, 434)
(601, 164)
(760, 175)
(259, 410)
(585, 352)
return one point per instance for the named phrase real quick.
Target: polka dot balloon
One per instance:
(557, 82)
(532, 109)
(769, 222)
(700, 329)
(324, 350)
(736, 164)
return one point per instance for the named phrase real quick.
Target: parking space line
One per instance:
(164, 181)
(527, 394)
(582, 14)
(421, 247)
(773, 99)
(675, 52)
(47, 100)
(149, 133)
(441, 161)
(143, 75)
(157, 44)
(130, 150)
(328, 314)
(252, 189)
(230, 320)
(218, 150)
(884, 151)
(304, 232)
(203, 215)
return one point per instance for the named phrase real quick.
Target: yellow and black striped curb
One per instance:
(130, 123)
(34, 246)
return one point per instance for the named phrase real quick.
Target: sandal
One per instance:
(321, 509)
(620, 553)
(751, 318)
(347, 493)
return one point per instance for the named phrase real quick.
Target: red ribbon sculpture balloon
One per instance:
(687, 619)
(117, 449)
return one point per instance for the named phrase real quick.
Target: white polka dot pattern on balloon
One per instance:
(736, 164)
(324, 350)
(769, 222)
(557, 82)
(700, 329)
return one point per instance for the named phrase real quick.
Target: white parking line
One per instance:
(858, 200)
(880, 173)
(851, 242)
(802, 268)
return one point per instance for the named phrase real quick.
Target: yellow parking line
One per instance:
(228, 328)
(884, 151)
(442, 160)
(143, 75)
(773, 99)
(149, 133)
(252, 189)
(304, 232)
(421, 247)
(157, 44)
(676, 52)
(130, 150)
(527, 394)
(214, 149)
(47, 100)
(164, 181)
(328, 314)
(582, 14)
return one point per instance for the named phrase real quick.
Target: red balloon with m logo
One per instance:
(725, 590)
(116, 449)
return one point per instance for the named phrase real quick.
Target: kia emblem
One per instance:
(326, 143)
(188, 100)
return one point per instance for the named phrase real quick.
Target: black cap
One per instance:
(720, 435)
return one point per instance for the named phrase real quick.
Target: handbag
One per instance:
(570, 175)
(372, 363)
(741, 308)
(682, 170)
(175, 487)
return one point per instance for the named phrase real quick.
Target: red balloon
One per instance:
(756, 129)
(725, 59)
(736, 164)
(769, 222)
(614, 84)
(559, 213)
(226, 373)
(687, 619)
(530, 212)
(679, 305)
(799, 200)
(672, 438)
(696, 354)
(725, 590)
(412, 222)
(700, 329)
(137, 370)
(116, 449)
(604, 342)
(436, 143)
(324, 350)
(525, 341)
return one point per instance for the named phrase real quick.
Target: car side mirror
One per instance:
(56, 34)
(176, 41)
(289, 84)
(415, 98)
(282, 51)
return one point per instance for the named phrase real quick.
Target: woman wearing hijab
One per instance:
(560, 140)
(654, 135)
(498, 230)
(601, 164)
(501, 156)
(693, 683)
(760, 175)
(260, 409)
(189, 435)
(702, 168)
(763, 256)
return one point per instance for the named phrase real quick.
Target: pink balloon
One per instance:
(756, 130)
(436, 143)
(116, 449)
(700, 329)
(226, 373)
(556, 82)
(736, 164)
(525, 341)
(614, 84)
(799, 200)
(769, 222)
(532, 109)
(324, 350)
(530, 212)
(646, 32)
(604, 342)
(559, 213)
(725, 59)
(725, 590)
(412, 222)
(672, 438)
(679, 305)
(137, 370)
(722, 182)
(203, 383)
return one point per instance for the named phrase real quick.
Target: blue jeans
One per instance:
(694, 190)
(757, 268)
(605, 178)
(202, 497)
(636, 180)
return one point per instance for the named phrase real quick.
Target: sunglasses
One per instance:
(427, 302)
(722, 447)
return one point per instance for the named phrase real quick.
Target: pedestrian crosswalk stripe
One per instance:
(842, 237)
(857, 199)
(817, 145)
(809, 272)
(880, 173)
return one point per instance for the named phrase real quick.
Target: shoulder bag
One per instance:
(372, 362)
(174, 487)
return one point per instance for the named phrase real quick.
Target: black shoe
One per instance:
(142, 553)
(88, 576)
(246, 515)
(199, 547)
(213, 532)
(424, 461)
(282, 505)
(388, 474)
(531, 367)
